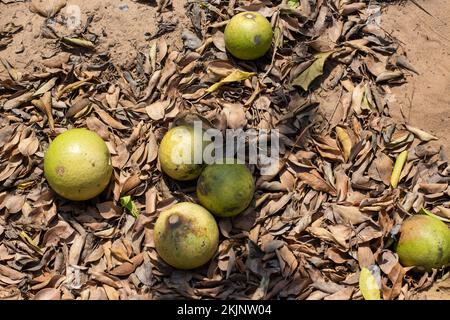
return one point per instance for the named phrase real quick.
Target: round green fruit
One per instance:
(77, 164)
(186, 235)
(180, 153)
(225, 189)
(248, 35)
(424, 242)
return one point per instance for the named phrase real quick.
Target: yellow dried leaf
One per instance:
(25, 237)
(422, 135)
(368, 285)
(398, 167)
(235, 76)
(25, 185)
(345, 141)
(78, 42)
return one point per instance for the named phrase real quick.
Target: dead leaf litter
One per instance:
(322, 227)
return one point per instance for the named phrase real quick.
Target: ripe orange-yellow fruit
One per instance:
(248, 35)
(186, 235)
(424, 242)
(77, 164)
(178, 152)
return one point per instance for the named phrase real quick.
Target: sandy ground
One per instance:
(121, 27)
(426, 40)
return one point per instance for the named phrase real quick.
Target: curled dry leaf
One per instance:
(316, 182)
(350, 215)
(235, 115)
(235, 76)
(108, 210)
(156, 111)
(305, 79)
(14, 203)
(48, 294)
(29, 146)
(62, 230)
(422, 135)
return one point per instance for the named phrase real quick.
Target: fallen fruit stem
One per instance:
(398, 167)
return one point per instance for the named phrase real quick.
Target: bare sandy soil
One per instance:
(122, 27)
(425, 39)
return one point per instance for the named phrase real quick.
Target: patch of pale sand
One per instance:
(121, 32)
(426, 41)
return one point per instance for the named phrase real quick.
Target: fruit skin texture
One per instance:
(424, 242)
(186, 235)
(77, 164)
(225, 189)
(176, 153)
(248, 35)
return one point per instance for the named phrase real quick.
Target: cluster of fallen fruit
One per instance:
(78, 167)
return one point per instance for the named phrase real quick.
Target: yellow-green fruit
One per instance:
(186, 235)
(424, 242)
(77, 164)
(225, 189)
(248, 35)
(180, 153)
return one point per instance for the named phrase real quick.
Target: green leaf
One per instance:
(313, 71)
(128, 204)
(293, 3)
(368, 285)
(431, 214)
(235, 76)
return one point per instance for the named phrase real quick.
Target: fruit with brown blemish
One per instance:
(77, 164)
(248, 35)
(424, 242)
(180, 153)
(225, 189)
(186, 235)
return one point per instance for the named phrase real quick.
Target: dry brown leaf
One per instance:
(384, 166)
(109, 120)
(61, 231)
(235, 115)
(350, 215)
(48, 294)
(29, 146)
(317, 183)
(156, 110)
